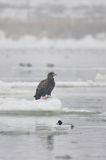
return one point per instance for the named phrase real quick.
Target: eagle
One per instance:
(45, 87)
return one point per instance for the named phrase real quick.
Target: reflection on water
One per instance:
(40, 138)
(50, 142)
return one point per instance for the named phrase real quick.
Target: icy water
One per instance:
(35, 135)
(29, 130)
(69, 38)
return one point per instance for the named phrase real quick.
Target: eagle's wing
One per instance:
(50, 88)
(41, 88)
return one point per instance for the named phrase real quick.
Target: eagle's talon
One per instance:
(46, 97)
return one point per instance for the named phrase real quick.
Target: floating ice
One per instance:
(37, 107)
(12, 86)
(100, 77)
(12, 104)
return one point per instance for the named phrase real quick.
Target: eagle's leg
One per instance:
(49, 96)
(46, 97)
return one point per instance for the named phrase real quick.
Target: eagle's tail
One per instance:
(37, 96)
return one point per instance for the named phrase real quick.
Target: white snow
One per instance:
(13, 104)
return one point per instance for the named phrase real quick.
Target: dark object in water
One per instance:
(59, 122)
(22, 64)
(64, 157)
(25, 65)
(29, 65)
(45, 87)
(50, 65)
(72, 126)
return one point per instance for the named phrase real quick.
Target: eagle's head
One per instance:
(51, 75)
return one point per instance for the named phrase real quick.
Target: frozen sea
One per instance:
(69, 38)
(28, 128)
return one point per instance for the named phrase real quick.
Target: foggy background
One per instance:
(53, 18)
(38, 36)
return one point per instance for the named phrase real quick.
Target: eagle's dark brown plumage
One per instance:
(46, 86)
